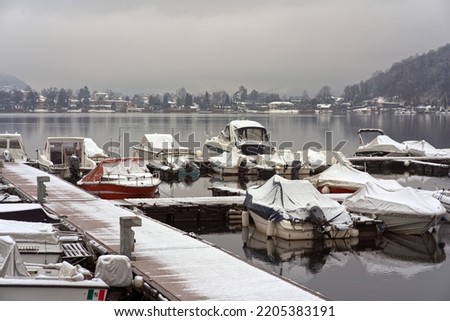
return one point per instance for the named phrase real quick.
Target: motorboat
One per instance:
(232, 162)
(22, 281)
(384, 154)
(282, 162)
(403, 210)
(37, 242)
(296, 210)
(163, 153)
(248, 136)
(24, 211)
(443, 196)
(12, 148)
(70, 157)
(383, 145)
(342, 178)
(120, 178)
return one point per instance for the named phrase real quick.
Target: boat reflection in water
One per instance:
(404, 255)
(390, 253)
(312, 254)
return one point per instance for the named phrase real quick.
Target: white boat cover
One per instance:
(422, 147)
(115, 270)
(341, 175)
(229, 159)
(291, 198)
(374, 199)
(92, 150)
(7, 208)
(278, 158)
(11, 263)
(316, 158)
(29, 231)
(161, 142)
(245, 124)
(383, 143)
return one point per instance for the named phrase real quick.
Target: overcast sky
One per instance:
(283, 46)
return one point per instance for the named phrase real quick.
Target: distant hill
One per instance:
(420, 79)
(10, 81)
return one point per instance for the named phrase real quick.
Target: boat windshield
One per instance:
(61, 152)
(252, 133)
(14, 143)
(225, 134)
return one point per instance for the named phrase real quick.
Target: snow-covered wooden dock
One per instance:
(173, 264)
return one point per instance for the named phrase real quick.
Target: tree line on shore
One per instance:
(418, 80)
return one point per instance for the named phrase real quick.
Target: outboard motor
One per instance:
(74, 167)
(7, 156)
(318, 219)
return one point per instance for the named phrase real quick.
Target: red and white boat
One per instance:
(120, 178)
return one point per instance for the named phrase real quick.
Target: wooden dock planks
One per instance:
(179, 266)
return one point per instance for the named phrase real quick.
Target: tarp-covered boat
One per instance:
(295, 210)
(341, 178)
(403, 210)
(231, 162)
(53, 282)
(163, 153)
(37, 242)
(383, 145)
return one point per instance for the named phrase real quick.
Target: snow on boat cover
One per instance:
(290, 198)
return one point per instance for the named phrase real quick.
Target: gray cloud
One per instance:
(145, 46)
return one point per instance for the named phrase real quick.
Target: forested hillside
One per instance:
(11, 82)
(420, 79)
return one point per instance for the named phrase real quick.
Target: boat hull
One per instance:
(25, 289)
(287, 230)
(114, 191)
(408, 224)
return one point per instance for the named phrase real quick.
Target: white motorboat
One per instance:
(248, 136)
(163, 153)
(383, 154)
(383, 145)
(232, 162)
(295, 210)
(22, 211)
(443, 196)
(70, 157)
(342, 178)
(12, 148)
(44, 282)
(37, 242)
(403, 210)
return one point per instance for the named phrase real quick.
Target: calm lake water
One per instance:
(388, 268)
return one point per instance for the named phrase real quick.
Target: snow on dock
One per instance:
(174, 264)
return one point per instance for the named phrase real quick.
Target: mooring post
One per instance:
(127, 234)
(41, 188)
